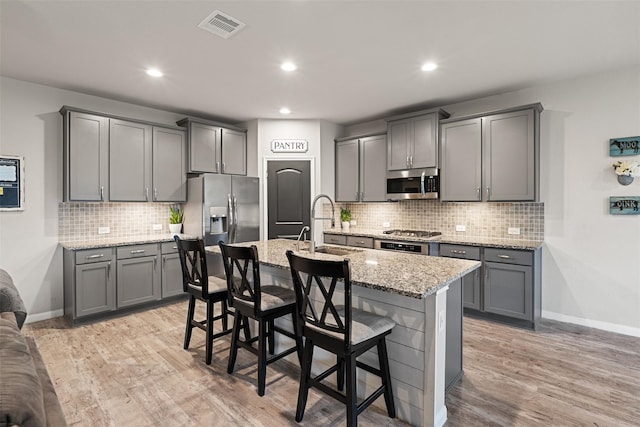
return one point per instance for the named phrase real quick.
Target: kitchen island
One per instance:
(410, 289)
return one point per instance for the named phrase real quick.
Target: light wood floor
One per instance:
(132, 371)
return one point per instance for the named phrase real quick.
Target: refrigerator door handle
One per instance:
(230, 224)
(235, 217)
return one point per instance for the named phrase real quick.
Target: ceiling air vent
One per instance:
(221, 24)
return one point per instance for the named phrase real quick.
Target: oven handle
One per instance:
(422, 184)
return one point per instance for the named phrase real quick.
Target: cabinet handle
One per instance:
(362, 196)
(455, 251)
(357, 194)
(102, 192)
(478, 193)
(174, 247)
(408, 164)
(146, 194)
(488, 192)
(223, 166)
(411, 161)
(217, 166)
(139, 251)
(504, 256)
(94, 256)
(155, 262)
(109, 269)
(155, 193)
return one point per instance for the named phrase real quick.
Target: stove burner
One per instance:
(412, 233)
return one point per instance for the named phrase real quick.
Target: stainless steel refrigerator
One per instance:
(222, 207)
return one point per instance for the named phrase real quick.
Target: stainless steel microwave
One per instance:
(413, 184)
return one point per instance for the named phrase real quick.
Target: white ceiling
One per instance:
(357, 60)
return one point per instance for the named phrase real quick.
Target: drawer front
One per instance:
(361, 242)
(136, 251)
(335, 239)
(169, 248)
(508, 256)
(460, 251)
(94, 255)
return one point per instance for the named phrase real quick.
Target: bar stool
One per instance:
(338, 329)
(264, 304)
(200, 286)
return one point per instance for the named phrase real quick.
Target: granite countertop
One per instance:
(122, 241)
(461, 240)
(415, 276)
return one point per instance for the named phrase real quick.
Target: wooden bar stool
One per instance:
(264, 304)
(341, 330)
(200, 286)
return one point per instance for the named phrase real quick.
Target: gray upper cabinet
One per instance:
(359, 166)
(413, 140)
(169, 165)
(129, 161)
(86, 156)
(509, 156)
(492, 157)
(461, 173)
(213, 148)
(234, 152)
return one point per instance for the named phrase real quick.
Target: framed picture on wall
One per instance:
(11, 183)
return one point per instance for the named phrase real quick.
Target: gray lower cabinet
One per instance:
(171, 270)
(335, 239)
(138, 275)
(507, 289)
(89, 282)
(508, 283)
(360, 242)
(493, 157)
(359, 163)
(471, 295)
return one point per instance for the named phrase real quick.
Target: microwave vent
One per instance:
(221, 24)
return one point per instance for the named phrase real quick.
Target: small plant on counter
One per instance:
(177, 215)
(345, 215)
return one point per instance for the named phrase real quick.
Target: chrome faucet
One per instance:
(303, 231)
(312, 240)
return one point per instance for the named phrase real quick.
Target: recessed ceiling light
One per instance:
(285, 110)
(288, 66)
(429, 66)
(154, 72)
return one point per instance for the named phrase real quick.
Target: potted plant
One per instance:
(175, 219)
(345, 217)
(626, 171)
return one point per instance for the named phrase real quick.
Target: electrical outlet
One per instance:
(104, 230)
(461, 227)
(513, 230)
(157, 226)
(386, 224)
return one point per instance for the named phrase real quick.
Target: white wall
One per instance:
(31, 126)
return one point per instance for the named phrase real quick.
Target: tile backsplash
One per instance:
(80, 221)
(491, 220)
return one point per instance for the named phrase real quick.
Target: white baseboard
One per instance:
(44, 316)
(605, 326)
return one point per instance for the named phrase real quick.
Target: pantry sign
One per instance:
(289, 146)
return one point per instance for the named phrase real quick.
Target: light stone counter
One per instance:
(415, 276)
(422, 294)
(455, 239)
(121, 241)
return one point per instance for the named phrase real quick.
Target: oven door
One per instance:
(413, 184)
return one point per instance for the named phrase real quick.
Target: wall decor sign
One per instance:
(629, 205)
(289, 146)
(629, 146)
(11, 183)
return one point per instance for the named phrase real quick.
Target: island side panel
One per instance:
(414, 381)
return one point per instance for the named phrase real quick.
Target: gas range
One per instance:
(412, 233)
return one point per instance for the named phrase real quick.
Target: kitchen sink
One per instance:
(336, 251)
